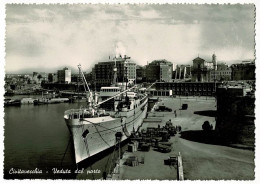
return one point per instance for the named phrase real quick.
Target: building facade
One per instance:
(243, 71)
(159, 70)
(201, 69)
(140, 74)
(130, 71)
(187, 88)
(222, 73)
(64, 76)
(103, 72)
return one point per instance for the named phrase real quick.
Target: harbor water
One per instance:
(36, 137)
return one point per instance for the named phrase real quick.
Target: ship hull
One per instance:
(100, 132)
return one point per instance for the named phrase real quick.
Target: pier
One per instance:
(195, 160)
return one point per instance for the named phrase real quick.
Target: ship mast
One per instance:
(90, 97)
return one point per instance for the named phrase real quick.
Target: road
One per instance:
(214, 162)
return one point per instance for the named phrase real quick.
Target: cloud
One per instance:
(53, 36)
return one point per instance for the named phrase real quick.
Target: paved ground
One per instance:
(186, 118)
(152, 169)
(200, 161)
(213, 162)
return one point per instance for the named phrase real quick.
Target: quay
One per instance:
(199, 161)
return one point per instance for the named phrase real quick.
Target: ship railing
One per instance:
(73, 111)
(81, 113)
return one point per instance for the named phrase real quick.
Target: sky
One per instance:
(46, 38)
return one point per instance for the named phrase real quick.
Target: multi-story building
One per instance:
(222, 73)
(103, 72)
(140, 74)
(185, 88)
(243, 71)
(152, 72)
(64, 76)
(130, 69)
(159, 70)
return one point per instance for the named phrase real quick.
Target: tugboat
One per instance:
(93, 128)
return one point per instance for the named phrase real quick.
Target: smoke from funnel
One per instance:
(120, 49)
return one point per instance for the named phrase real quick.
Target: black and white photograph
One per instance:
(135, 91)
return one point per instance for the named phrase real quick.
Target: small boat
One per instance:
(12, 103)
(74, 99)
(27, 101)
(40, 101)
(58, 100)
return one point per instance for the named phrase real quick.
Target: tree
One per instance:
(39, 77)
(206, 126)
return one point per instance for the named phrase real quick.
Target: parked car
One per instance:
(184, 106)
(163, 108)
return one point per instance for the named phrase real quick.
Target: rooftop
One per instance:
(198, 59)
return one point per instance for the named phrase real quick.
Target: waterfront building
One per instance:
(243, 71)
(64, 76)
(103, 72)
(159, 70)
(222, 73)
(130, 69)
(184, 88)
(140, 74)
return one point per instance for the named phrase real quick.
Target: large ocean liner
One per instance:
(93, 128)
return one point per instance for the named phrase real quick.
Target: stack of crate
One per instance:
(132, 161)
(133, 146)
